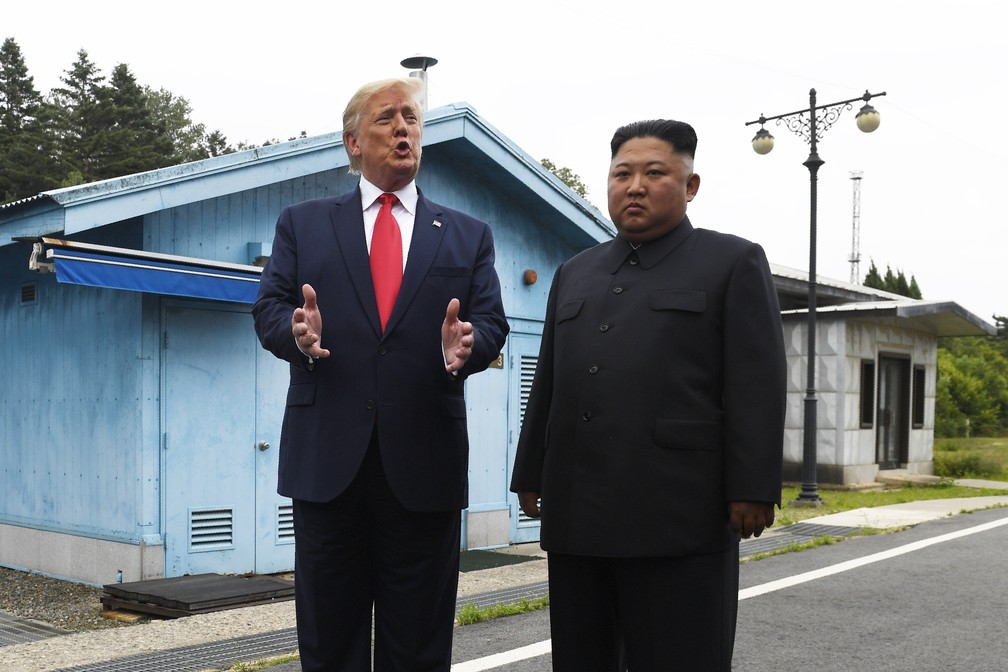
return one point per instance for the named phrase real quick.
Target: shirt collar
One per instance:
(407, 195)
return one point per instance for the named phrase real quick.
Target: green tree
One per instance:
(568, 177)
(895, 283)
(79, 120)
(873, 279)
(132, 139)
(28, 161)
(973, 386)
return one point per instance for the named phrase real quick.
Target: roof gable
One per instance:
(456, 127)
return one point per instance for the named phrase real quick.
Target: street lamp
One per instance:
(810, 124)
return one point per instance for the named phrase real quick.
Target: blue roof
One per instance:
(75, 209)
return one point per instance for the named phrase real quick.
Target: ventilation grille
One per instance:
(28, 294)
(211, 529)
(285, 524)
(528, 367)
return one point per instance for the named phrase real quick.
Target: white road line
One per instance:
(780, 584)
(505, 657)
(546, 646)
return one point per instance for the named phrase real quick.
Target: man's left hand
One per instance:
(750, 518)
(456, 338)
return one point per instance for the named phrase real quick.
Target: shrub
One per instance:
(951, 464)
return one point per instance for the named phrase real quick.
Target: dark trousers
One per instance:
(363, 550)
(643, 614)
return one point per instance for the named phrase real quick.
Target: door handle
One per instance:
(264, 445)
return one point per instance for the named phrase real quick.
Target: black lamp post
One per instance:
(810, 125)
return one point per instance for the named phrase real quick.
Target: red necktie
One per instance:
(386, 258)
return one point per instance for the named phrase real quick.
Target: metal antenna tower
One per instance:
(855, 250)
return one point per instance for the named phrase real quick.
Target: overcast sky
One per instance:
(557, 78)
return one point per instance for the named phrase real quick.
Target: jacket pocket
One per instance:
(450, 271)
(691, 300)
(568, 310)
(689, 434)
(453, 406)
(301, 394)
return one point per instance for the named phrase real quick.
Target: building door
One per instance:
(524, 353)
(892, 414)
(221, 512)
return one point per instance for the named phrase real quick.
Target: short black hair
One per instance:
(678, 133)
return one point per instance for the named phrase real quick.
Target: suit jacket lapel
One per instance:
(426, 239)
(348, 225)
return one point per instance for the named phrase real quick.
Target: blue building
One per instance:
(140, 417)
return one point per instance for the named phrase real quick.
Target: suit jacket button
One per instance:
(370, 404)
(381, 350)
(617, 290)
(593, 369)
(586, 415)
(604, 328)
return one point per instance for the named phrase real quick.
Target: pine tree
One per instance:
(915, 292)
(27, 154)
(133, 140)
(873, 279)
(79, 123)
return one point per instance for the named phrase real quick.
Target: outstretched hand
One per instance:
(306, 324)
(456, 338)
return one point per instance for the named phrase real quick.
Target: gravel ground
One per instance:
(94, 639)
(71, 606)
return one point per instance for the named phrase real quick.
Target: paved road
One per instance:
(933, 598)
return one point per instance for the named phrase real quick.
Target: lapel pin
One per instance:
(437, 223)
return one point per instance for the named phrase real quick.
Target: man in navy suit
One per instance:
(374, 445)
(653, 432)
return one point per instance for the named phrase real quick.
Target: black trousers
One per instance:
(364, 551)
(643, 614)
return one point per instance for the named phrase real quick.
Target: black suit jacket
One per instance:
(396, 381)
(658, 397)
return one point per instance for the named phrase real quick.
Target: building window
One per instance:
(918, 397)
(867, 394)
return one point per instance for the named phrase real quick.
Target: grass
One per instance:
(836, 501)
(470, 613)
(985, 458)
(263, 664)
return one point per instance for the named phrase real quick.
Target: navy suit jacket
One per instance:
(658, 397)
(394, 382)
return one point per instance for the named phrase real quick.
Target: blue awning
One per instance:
(133, 270)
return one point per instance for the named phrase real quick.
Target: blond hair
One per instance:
(411, 87)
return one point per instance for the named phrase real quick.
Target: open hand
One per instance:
(306, 324)
(456, 338)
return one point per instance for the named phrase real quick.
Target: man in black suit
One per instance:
(653, 432)
(374, 446)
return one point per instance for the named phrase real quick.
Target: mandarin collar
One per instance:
(649, 253)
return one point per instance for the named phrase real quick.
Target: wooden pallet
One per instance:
(196, 594)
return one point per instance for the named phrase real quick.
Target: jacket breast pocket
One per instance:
(568, 310)
(301, 394)
(449, 271)
(689, 434)
(689, 300)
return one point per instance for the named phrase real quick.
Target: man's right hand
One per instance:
(529, 502)
(306, 325)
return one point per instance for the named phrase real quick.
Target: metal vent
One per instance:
(211, 529)
(28, 294)
(285, 524)
(528, 366)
